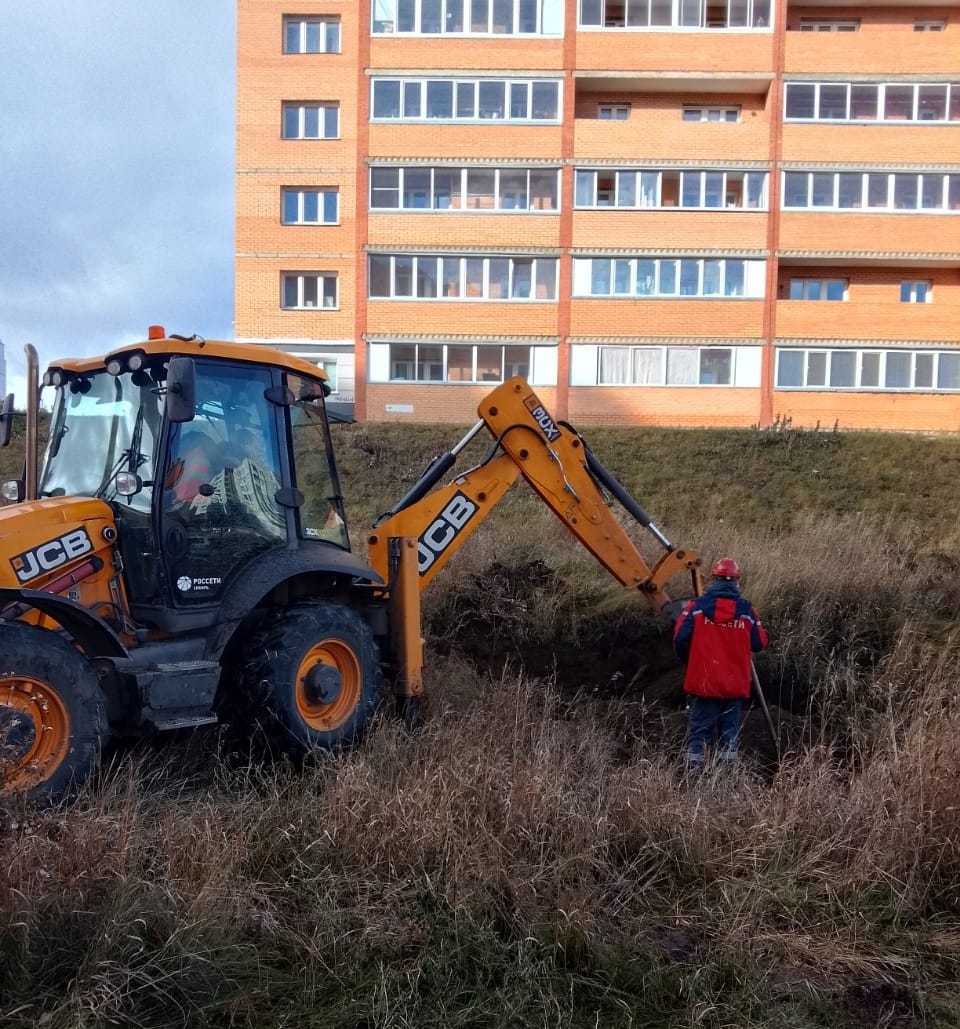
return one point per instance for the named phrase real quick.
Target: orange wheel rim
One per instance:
(38, 707)
(335, 654)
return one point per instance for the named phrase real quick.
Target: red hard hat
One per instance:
(726, 568)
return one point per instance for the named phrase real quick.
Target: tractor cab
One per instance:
(210, 456)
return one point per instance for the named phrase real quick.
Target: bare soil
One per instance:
(622, 665)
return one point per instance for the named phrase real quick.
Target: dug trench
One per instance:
(619, 663)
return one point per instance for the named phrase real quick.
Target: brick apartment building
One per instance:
(674, 212)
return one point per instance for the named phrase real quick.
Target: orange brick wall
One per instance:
(656, 74)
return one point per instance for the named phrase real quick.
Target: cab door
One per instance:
(219, 507)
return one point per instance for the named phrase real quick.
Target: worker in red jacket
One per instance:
(716, 635)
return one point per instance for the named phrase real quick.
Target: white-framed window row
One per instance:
(457, 362)
(311, 35)
(668, 277)
(637, 364)
(929, 24)
(868, 369)
(307, 291)
(310, 205)
(675, 14)
(631, 189)
(872, 191)
(485, 190)
(465, 100)
(819, 289)
(318, 119)
(829, 24)
(468, 17)
(873, 101)
(432, 277)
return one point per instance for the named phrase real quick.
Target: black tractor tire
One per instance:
(311, 678)
(52, 714)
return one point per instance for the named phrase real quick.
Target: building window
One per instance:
(458, 362)
(311, 35)
(659, 277)
(883, 101)
(303, 291)
(874, 191)
(818, 289)
(873, 369)
(330, 366)
(728, 114)
(319, 120)
(665, 14)
(829, 24)
(516, 100)
(468, 17)
(613, 112)
(484, 190)
(929, 24)
(665, 366)
(310, 207)
(916, 292)
(668, 189)
(429, 277)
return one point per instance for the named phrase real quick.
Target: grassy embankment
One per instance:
(527, 861)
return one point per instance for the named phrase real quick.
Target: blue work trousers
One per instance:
(710, 718)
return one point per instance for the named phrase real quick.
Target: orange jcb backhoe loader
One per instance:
(180, 556)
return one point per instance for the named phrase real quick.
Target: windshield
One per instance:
(102, 424)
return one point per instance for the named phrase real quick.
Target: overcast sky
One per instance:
(116, 173)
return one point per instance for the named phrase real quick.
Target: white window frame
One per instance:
(918, 114)
(829, 24)
(478, 350)
(694, 112)
(805, 283)
(458, 18)
(929, 24)
(322, 107)
(326, 28)
(695, 352)
(586, 193)
(919, 291)
(947, 188)
(665, 277)
(328, 300)
(535, 201)
(689, 15)
(413, 94)
(539, 271)
(932, 360)
(301, 193)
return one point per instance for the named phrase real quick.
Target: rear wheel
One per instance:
(312, 675)
(52, 716)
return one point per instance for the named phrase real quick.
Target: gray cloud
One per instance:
(116, 173)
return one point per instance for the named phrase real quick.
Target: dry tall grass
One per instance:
(513, 864)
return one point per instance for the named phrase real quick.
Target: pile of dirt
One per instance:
(626, 660)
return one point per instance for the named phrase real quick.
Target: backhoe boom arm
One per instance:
(560, 468)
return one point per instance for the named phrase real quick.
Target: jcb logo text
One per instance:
(51, 554)
(444, 529)
(542, 417)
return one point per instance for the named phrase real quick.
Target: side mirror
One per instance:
(6, 420)
(181, 397)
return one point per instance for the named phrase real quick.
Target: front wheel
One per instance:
(52, 715)
(312, 674)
